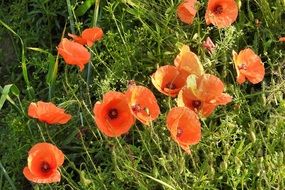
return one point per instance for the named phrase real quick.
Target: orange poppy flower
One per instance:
(186, 11)
(203, 94)
(142, 103)
(221, 13)
(184, 127)
(113, 116)
(48, 112)
(89, 36)
(248, 66)
(73, 53)
(188, 62)
(43, 162)
(168, 80)
(282, 39)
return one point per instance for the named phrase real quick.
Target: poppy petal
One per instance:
(188, 62)
(223, 99)
(32, 110)
(209, 87)
(221, 13)
(37, 159)
(203, 94)
(92, 35)
(78, 39)
(55, 177)
(113, 116)
(281, 39)
(248, 66)
(207, 109)
(48, 112)
(144, 109)
(186, 11)
(43, 162)
(184, 126)
(186, 97)
(168, 80)
(73, 53)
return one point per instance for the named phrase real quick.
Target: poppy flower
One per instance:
(89, 36)
(48, 112)
(203, 94)
(188, 62)
(73, 53)
(113, 116)
(248, 66)
(221, 13)
(184, 127)
(186, 11)
(43, 162)
(282, 39)
(209, 45)
(143, 103)
(168, 80)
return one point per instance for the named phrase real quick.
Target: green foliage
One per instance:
(242, 145)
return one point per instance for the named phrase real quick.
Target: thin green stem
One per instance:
(70, 16)
(96, 11)
(95, 19)
(42, 135)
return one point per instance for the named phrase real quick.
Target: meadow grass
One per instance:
(242, 146)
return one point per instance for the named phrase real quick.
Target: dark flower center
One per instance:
(170, 85)
(196, 104)
(137, 108)
(113, 113)
(218, 9)
(45, 167)
(242, 67)
(179, 132)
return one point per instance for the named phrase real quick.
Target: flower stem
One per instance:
(70, 16)
(95, 18)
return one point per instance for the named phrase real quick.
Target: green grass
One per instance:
(243, 142)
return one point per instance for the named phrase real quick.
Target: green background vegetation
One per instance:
(242, 145)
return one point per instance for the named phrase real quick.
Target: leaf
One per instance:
(8, 89)
(82, 9)
(52, 69)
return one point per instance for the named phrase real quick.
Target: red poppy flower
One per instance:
(113, 116)
(43, 163)
(184, 127)
(142, 103)
(221, 13)
(248, 66)
(188, 62)
(282, 39)
(209, 45)
(186, 11)
(168, 80)
(89, 36)
(203, 94)
(48, 112)
(73, 53)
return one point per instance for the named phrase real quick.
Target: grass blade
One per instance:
(23, 60)
(7, 176)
